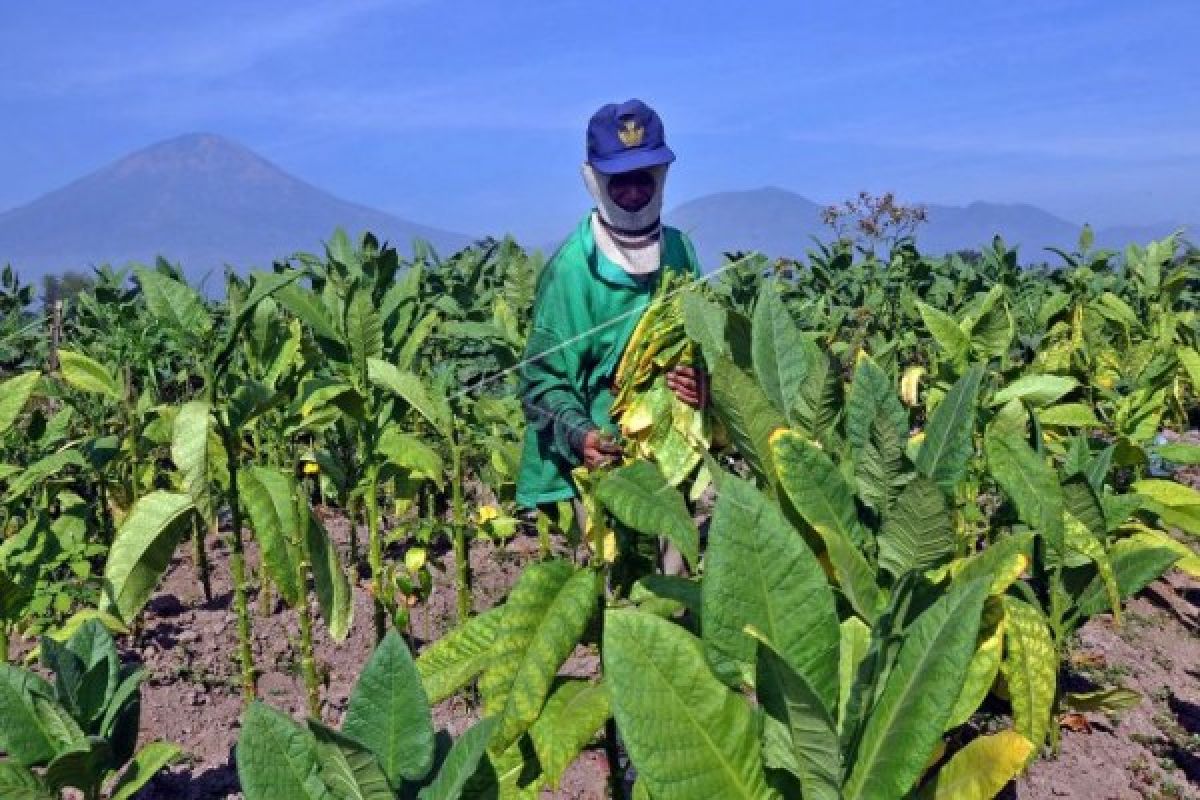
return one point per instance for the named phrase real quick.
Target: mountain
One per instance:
(201, 200)
(781, 223)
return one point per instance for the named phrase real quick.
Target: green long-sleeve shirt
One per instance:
(584, 313)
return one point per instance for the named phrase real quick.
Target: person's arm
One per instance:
(551, 374)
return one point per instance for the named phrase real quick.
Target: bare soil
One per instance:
(192, 696)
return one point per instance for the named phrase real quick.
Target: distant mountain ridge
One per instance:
(778, 222)
(201, 200)
(205, 201)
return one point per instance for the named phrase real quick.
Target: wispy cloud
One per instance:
(206, 47)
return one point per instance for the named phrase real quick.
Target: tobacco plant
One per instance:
(82, 729)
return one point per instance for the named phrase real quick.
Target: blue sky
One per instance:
(470, 115)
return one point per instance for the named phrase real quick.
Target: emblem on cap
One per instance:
(631, 132)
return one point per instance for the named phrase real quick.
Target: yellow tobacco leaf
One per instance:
(910, 384)
(981, 769)
(414, 559)
(1030, 668)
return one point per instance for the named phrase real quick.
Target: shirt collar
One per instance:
(604, 268)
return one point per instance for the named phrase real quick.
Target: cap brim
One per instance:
(631, 160)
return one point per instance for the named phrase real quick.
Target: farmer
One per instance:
(590, 297)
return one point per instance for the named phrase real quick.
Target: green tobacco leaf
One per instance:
(269, 496)
(981, 770)
(747, 414)
(1103, 701)
(779, 361)
(88, 375)
(145, 765)
(411, 389)
(856, 640)
(687, 735)
(1136, 563)
(81, 766)
(811, 730)
(198, 455)
(819, 493)
(918, 532)
(704, 323)
(142, 549)
(462, 762)
(1069, 415)
(22, 736)
(1080, 540)
(14, 394)
(364, 331)
(309, 309)
(948, 444)
(389, 713)
(816, 487)
(1030, 483)
(544, 618)
(1175, 452)
(511, 775)
(335, 596)
(1030, 668)
(348, 769)
(454, 660)
(985, 664)
(992, 561)
(872, 395)
(671, 593)
(416, 339)
(640, 498)
(882, 467)
(758, 571)
(60, 726)
(907, 720)
(574, 711)
(819, 406)
(408, 452)
(991, 325)
(45, 468)
(18, 783)
(946, 332)
(1036, 391)
(1081, 502)
(876, 431)
(276, 758)
(175, 304)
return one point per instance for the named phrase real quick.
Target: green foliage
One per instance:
(83, 728)
(384, 750)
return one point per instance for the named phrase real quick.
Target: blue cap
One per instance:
(623, 137)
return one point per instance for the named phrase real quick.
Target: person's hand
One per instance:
(690, 385)
(599, 449)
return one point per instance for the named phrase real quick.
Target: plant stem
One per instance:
(237, 566)
(200, 557)
(3, 642)
(308, 661)
(616, 780)
(352, 515)
(462, 562)
(375, 552)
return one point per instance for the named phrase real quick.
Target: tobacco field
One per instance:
(259, 539)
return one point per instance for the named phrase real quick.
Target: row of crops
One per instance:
(918, 478)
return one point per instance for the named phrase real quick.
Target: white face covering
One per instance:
(630, 239)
